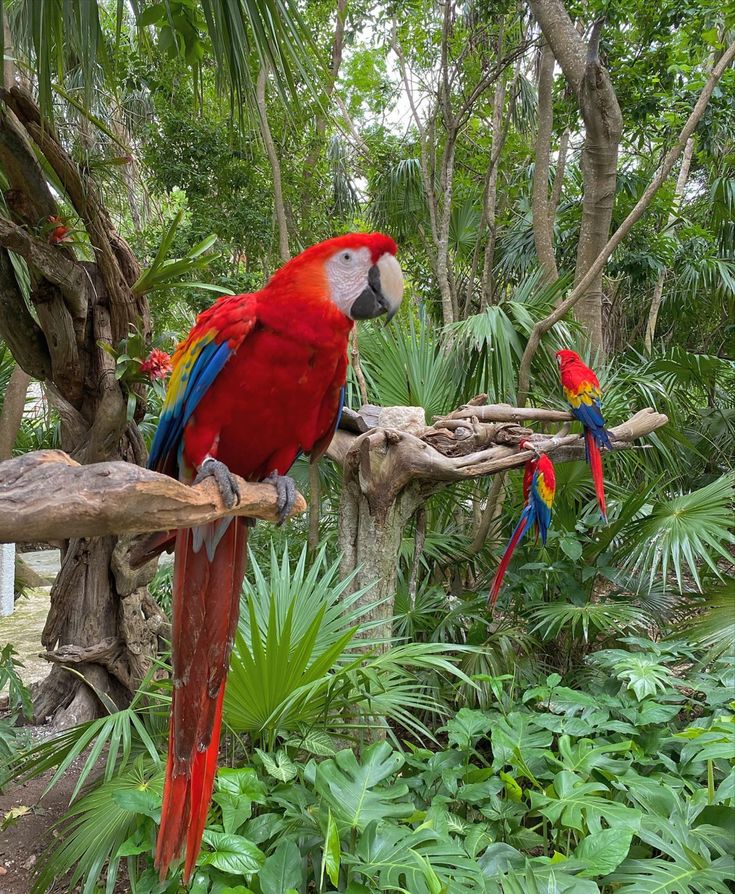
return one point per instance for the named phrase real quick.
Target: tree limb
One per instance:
(51, 263)
(625, 227)
(45, 495)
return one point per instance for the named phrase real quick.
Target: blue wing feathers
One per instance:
(208, 364)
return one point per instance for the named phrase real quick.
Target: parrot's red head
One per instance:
(358, 273)
(565, 357)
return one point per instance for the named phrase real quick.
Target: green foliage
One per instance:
(615, 786)
(295, 667)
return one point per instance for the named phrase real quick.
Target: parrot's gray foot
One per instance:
(285, 494)
(529, 445)
(228, 487)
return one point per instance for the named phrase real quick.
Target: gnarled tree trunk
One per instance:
(77, 305)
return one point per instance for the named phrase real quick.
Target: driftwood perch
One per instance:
(47, 496)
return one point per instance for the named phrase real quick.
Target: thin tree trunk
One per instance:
(500, 132)
(543, 221)
(314, 507)
(443, 272)
(320, 124)
(12, 412)
(658, 291)
(490, 514)
(270, 148)
(603, 127)
(357, 366)
(561, 162)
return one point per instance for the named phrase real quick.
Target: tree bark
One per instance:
(12, 413)
(543, 221)
(603, 128)
(658, 291)
(270, 148)
(75, 305)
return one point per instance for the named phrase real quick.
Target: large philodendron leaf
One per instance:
(421, 861)
(353, 790)
(693, 875)
(575, 804)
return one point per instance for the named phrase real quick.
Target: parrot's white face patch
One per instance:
(347, 272)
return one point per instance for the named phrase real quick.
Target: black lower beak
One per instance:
(371, 302)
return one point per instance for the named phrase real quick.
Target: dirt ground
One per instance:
(25, 838)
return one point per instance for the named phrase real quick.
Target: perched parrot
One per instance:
(582, 390)
(259, 380)
(539, 487)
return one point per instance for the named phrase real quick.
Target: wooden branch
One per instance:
(18, 329)
(506, 413)
(47, 496)
(386, 460)
(51, 262)
(543, 326)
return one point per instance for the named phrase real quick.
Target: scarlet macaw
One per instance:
(582, 390)
(259, 380)
(539, 487)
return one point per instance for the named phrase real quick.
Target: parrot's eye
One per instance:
(347, 256)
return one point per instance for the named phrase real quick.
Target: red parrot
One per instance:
(539, 487)
(259, 380)
(582, 390)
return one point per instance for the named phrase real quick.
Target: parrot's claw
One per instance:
(286, 494)
(226, 482)
(529, 445)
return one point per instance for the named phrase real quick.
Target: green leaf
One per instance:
(232, 853)
(141, 800)
(282, 870)
(575, 804)
(353, 790)
(602, 852)
(280, 767)
(332, 851)
(467, 726)
(236, 809)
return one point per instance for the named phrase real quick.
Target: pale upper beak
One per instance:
(383, 293)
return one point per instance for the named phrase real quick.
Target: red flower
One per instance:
(157, 365)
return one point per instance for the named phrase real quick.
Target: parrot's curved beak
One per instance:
(383, 293)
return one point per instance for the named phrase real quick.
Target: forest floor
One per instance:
(27, 831)
(27, 818)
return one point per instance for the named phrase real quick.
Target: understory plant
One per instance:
(625, 785)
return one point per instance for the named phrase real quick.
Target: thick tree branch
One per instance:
(47, 496)
(117, 264)
(51, 263)
(18, 329)
(627, 225)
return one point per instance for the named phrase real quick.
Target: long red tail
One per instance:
(508, 554)
(208, 572)
(594, 457)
